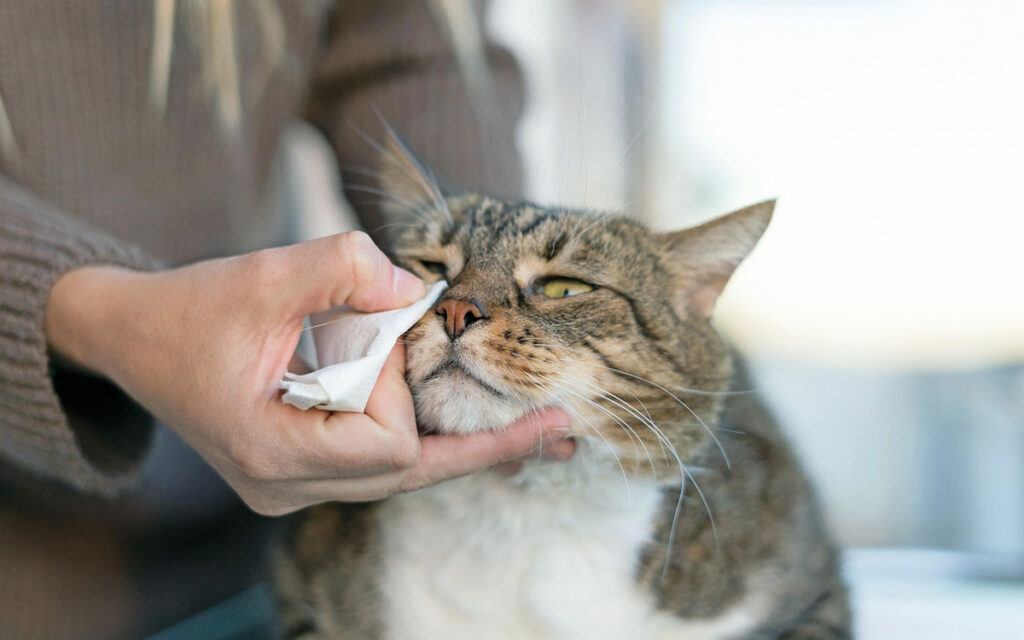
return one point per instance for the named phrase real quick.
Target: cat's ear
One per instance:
(410, 188)
(705, 256)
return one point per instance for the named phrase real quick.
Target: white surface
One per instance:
(935, 595)
(352, 348)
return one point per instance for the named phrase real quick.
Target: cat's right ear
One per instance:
(705, 257)
(410, 189)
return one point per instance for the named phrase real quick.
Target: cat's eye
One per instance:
(564, 287)
(438, 268)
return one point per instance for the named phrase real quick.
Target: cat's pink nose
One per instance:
(458, 314)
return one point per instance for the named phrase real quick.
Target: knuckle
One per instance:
(406, 452)
(251, 464)
(361, 254)
(264, 271)
(415, 482)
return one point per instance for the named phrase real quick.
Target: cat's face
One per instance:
(550, 307)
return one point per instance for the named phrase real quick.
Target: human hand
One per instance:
(203, 347)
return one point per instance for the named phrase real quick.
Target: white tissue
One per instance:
(353, 346)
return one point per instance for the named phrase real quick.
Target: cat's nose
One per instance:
(458, 314)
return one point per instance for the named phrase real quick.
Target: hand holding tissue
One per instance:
(351, 348)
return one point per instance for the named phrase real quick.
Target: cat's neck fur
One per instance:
(575, 527)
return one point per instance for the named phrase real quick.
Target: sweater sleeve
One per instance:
(62, 424)
(393, 60)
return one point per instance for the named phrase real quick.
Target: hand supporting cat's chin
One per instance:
(452, 400)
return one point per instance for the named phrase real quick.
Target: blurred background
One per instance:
(882, 312)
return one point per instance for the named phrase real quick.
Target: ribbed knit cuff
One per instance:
(96, 439)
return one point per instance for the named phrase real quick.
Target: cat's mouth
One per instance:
(454, 398)
(452, 370)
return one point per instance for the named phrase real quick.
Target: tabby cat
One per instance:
(683, 513)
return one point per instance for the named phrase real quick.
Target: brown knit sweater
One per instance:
(96, 174)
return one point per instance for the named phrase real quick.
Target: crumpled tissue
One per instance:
(352, 347)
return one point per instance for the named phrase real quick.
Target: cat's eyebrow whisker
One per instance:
(360, 170)
(421, 221)
(429, 185)
(397, 225)
(626, 206)
(577, 234)
(629, 146)
(410, 206)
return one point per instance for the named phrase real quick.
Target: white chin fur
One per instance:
(453, 403)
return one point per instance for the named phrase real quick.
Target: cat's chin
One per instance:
(459, 405)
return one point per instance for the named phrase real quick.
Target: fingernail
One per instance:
(555, 435)
(561, 450)
(407, 286)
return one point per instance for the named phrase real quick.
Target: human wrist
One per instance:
(83, 313)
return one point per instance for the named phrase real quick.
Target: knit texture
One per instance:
(38, 244)
(98, 175)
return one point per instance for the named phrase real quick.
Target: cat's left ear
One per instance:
(412, 188)
(705, 257)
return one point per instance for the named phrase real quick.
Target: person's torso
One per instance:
(81, 86)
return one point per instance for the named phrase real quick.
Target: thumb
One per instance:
(348, 268)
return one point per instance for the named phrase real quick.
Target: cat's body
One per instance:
(609, 320)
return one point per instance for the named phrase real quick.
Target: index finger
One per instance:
(347, 268)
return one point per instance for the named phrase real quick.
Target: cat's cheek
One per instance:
(424, 350)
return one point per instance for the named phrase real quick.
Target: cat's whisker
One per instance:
(640, 378)
(684, 475)
(633, 436)
(597, 431)
(735, 431)
(679, 502)
(647, 411)
(604, 393)
(630, 430)
(629, 146)
(594, 429)
(580, 173)
(629, 204)
(714, 438)
(578, 235)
